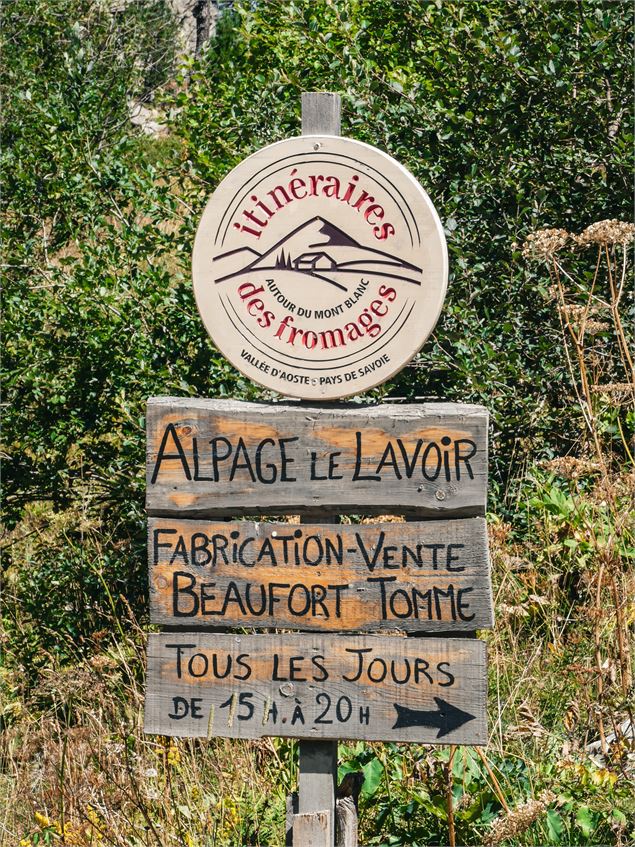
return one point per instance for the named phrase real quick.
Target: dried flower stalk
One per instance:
(518, 820)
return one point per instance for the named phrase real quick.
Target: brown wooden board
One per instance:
(426, 576)
(427, 690)
(223, 457)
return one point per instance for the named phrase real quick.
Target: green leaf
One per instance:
(555, 826)
(586, 820)
(373, 773)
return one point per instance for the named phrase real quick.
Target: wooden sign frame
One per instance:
(224, 457)
(317, 686)
(430, 576)
(221, 459)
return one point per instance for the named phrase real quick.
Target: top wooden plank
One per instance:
(218, 458)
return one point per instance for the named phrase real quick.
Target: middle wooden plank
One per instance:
(430, 576)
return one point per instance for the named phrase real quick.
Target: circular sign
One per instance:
(320, 267)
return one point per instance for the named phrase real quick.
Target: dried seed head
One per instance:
(572, 311)
(619, 393)
(518, 820)
(581, 317)
(594, 327)
(465, 802)
(569, 467)
(543, 243)
(606, 232)
(509, 610)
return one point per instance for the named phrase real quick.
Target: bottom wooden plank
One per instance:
(430, 690)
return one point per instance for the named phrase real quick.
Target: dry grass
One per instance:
(78, 769)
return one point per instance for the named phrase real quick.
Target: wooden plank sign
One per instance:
(431, 576)
(317, 686)
(223, 457)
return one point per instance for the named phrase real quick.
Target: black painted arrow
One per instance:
(447, 718)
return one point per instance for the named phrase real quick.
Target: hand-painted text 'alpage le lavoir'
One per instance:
(220, 457)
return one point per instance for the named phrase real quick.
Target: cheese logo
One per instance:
(320, 267)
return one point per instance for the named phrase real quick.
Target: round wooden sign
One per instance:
(320, 267)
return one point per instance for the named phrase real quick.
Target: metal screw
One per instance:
(439, 494)
(316, 146)
(287, 689)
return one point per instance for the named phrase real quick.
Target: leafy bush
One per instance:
(98, 313)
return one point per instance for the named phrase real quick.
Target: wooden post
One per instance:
(317, 777)
(311, 830)
(317, 773)
(346, 823)
(321, 112)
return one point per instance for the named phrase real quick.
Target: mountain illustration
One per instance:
(320, 249)
(236, 260)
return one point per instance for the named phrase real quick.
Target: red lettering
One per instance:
(256, 304)
(349, 189)
(274, 196)
(374, 210)
(382, 232)
(376, 307)
(294, 187)
(389, 293)
(366, 323)
(364, 198)
(310, 337)
(248, 289)
(283, 325)
(314, 181)
(315, 185)
(293, 331)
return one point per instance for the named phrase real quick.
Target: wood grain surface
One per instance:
(426, 690)
(227, 458)
(430, 576)
(321, 113)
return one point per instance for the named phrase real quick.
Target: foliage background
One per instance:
(513, 116)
